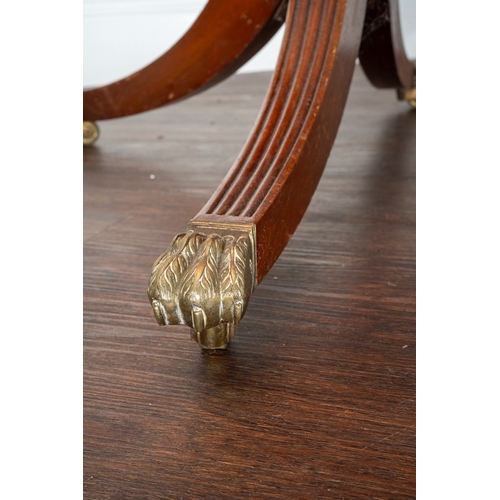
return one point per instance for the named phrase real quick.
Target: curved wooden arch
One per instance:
(382, 54)
(224, 37)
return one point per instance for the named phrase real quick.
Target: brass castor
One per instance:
(90, 133)
(408, 95)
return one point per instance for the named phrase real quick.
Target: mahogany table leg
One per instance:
(382, 54)
(205, 278)
(224, 37)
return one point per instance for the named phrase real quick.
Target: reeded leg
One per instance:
(206, 276)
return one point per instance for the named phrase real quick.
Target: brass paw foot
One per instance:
(204, 281)
(90, 133)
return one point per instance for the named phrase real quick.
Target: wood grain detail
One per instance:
(315, 397)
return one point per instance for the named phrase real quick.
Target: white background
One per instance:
(120, 36)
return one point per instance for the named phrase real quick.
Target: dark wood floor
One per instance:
(315, 398)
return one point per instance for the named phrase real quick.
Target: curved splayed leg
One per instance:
(224, 37)
(382, 54)
(266, 192)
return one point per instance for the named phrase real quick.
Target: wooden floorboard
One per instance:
(315, 398)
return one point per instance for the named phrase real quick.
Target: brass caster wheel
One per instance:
(90, 133)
